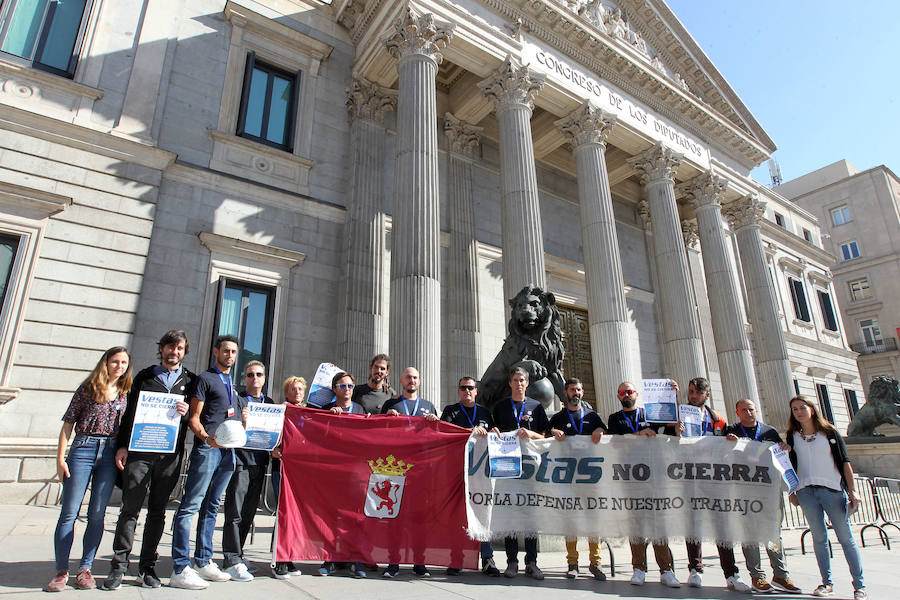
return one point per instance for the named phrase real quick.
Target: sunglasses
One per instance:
(468, 388)
(345, 386)
(627, 392)
(255, 375)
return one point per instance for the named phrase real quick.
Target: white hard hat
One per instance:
(231, 434)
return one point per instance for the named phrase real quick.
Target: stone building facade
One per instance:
(329, 181)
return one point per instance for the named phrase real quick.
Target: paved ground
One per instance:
(26, 552)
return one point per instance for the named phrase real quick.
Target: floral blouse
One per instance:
(91, 418)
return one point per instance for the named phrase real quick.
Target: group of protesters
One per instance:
(102, 414)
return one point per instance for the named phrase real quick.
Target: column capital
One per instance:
(658, 163)
(745, 212)
(587, 125)
(512, 84)
(463, 136)
(419, 35)
(691, 234)
(706, 189)
(368, 101)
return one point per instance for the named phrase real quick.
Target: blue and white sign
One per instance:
(320, 392)
(155, 423)
(692, 418)
(783, 463)
(505, 455)
(660, 400)
(264, 424)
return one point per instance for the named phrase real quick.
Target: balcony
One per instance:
(886, 345)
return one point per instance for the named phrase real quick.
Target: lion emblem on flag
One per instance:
(385, 490)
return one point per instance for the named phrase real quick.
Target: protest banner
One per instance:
(264, 424)
(155, 423)
(660, 400)
(374, 489)
(628, 486)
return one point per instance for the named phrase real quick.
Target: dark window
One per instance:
(852, 403)
(850, 250)
(47, 34)
(9, 246)
(807, 235)
(827, 310)
(245, 311)
(796, 387)
(824, 402)
(268, 104)
(801, 309)
(779, 219)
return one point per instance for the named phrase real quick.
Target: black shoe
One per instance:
(114, 580)
(148, 578)
(421, 571)
(326, 569)
(451, 572)
(281, 571)
(391, 571)
(488, 567)
(357, 570)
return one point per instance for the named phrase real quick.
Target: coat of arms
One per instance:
(385, 489)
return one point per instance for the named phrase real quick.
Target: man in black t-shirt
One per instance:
(466, 413)
(527, 418)
(749, 427)
(375, 392)
(576, 418)
(632, 421)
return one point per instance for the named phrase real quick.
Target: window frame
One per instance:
(844, 211)
(808, 236)
(829, 317)
(232, 283)
(850, 244)
(852, 401)
(293, 105)
(798, 294)
(868, 288)
(6, 10)
(824, 402)
(877, 341)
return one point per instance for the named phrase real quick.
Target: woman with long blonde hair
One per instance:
(820, 459)
(94, 415)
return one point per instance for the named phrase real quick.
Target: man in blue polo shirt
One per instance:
(214, 400)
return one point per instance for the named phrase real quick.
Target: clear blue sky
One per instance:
(822, 78)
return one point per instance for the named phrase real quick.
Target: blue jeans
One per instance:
(208, 475)
(91, 460)
(816, 502)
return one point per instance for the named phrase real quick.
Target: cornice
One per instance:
(795, 242)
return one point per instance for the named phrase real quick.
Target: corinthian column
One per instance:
(776, 383)
(732, 347)
(462, 270)
(363, 324)
(512, 89)
(681, 329)
(415, 327)
(587, 128)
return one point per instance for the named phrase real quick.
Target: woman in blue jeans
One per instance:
(94, 414)
(826, 487)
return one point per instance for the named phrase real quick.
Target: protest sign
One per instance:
(264, 424)
(505, 455)
(320, 392)
(692, 417)
(155, 423)
(660, 400)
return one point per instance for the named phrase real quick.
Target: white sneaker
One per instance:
(211, 572)
(694, 579)
(668, 579)
(239, 572)
(187, 580)
(735, 584)
(638, 577)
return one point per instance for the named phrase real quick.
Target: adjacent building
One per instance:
(330, 181)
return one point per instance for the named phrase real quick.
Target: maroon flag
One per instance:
(375, 489)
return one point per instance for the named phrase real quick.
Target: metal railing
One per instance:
(888, 344)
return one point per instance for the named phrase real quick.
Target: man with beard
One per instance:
(632, 421)
(527, 418)
(150, 475)
(466, 413)
(409, 404)
(578, 419)
(376, 391)
(711, 424)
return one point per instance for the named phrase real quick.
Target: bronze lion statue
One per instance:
(882, 406)
(534, 342)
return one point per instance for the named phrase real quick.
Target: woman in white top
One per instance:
(820, 459)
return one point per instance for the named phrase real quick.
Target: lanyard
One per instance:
(225, 382)
(518, 415)
(415, 408)
(632, 425)
(580, 427)
(755, 437)
(471, 419)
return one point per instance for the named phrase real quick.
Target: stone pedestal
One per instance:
(875, 456)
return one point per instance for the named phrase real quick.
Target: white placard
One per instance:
(692, 418)
(783, 464)
(320, 392)
(264, 425)
(660, 400)
(156, 423)
(505, 455)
